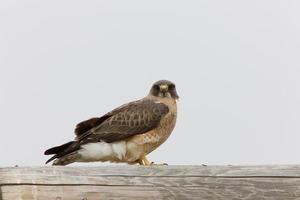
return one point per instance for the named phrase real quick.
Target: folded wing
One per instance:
(128, 120)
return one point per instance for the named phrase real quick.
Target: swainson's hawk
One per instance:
(126, 134)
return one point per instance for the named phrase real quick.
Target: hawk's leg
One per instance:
(145, 161)
(142, 161)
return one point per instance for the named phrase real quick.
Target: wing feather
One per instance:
(128, 120)
(87, 125)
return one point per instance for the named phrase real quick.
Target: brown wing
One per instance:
(87, 125)
(128, 120)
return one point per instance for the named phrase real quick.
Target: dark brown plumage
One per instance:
(131, 119)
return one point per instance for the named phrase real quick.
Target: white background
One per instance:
(236, 65)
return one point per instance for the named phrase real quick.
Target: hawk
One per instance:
(126, 134)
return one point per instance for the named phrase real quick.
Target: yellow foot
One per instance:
(144, 161)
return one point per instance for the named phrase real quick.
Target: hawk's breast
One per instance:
(143, 144)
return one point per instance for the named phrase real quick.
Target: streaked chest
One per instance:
(157, 136)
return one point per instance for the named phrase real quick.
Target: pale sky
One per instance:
(236, 65)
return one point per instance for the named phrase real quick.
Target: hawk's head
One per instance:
(164, 88)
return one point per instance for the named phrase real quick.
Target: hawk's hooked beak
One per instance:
(164, 88)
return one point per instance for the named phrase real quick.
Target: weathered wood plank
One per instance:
(220, 171)
(155, 182)
(208, 189)
(97, 192)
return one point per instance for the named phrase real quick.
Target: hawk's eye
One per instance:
(156, 87)
(171, 87)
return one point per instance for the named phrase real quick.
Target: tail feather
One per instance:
(62, 150)
(57, 149)
(67, 159)
(52, 158)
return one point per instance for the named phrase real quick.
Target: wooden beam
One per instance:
(155, 182)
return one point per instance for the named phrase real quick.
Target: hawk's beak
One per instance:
(163, 88)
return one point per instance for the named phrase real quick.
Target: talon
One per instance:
(163, 164)
(143, 161)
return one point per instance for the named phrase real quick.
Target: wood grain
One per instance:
(155, 182)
